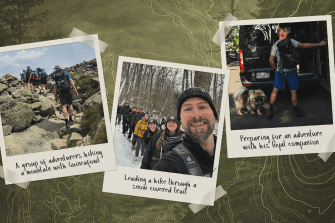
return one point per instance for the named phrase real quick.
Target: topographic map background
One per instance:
(297, 188)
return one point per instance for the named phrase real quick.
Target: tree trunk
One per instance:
(202, 80)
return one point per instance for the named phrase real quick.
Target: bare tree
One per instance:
(202, 80)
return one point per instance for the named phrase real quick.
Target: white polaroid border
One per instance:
(106, 160)
(204, 192)
(275, 137)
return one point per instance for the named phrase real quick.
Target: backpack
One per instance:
(62, 83)
(42, 73)
(288, 53)
(176, 144)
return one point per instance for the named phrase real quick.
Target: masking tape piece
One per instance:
(325, 154)
(12, 174)
(216, 37)
(76, 32)
(219, 192)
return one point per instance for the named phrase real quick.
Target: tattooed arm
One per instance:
(310, 45)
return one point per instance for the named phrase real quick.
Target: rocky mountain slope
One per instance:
(34, 123)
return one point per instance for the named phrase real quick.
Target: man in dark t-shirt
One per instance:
(65, 97)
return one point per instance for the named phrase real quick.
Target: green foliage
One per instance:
(233, 38)
(73, 74)
(88, 94)
(90, 122)
(86, 85)
(64, 132)
(101, 135)
(49, 36)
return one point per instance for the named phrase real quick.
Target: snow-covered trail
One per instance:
(123, 154)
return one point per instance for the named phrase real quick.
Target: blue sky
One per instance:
(63, 55)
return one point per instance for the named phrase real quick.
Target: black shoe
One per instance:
(296, 113)
(67, 125)
(71, 122)
(270, 113)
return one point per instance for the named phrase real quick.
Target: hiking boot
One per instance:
(296, 113)
(270, 113)
(44, 95)
(67, 125)
(71, 122)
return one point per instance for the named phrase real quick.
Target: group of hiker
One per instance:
(165, 147)
(35, 78)
(63, 86)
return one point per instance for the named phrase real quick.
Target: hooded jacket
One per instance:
(172, 162)
(140, 127)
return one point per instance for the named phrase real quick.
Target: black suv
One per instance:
(255, 42)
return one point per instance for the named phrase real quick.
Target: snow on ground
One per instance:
(123, 154)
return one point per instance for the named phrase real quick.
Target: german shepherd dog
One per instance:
(253, 100)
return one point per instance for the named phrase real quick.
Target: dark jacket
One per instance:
(148, 134)
(125, 110)
(118, 109)
(151, 152)
(172, 162)
(135, 118)
(131, 115)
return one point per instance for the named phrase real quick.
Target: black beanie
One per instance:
(153, 120)
(192, 93)
(172, 118)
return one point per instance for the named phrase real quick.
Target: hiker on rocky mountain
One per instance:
(140, 128)
(131, 127)
(43, 76)
(28, 74)
(33, 80)
(194, 152)
(153, 153)
(62, 87)
(23, 78)
(125, 113)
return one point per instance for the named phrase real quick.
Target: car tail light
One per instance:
(241, 60)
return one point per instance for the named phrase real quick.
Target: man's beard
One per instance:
(210, 129)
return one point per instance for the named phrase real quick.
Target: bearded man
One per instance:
(195, 154)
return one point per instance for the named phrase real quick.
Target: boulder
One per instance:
(23, 99)
(17, 114)
(77, 105)
(37, 118)
(23, 92)
(87, 140)
(74, 138)
(59, 144)
(6, 129)
(75, 128)
(47, 108)
(12, 89)
(5, 93)
(96, 98)
(10, 78)
(3, 87)
(5, 99)
(36, 105)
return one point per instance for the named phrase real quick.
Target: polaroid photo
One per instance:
(45, 136)
(167, 124)
(280, 98)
